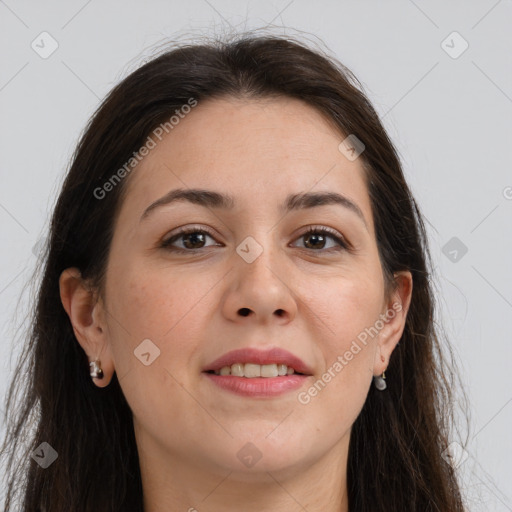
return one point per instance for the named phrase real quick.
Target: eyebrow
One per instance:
(217, 200)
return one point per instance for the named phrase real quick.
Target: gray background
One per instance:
(449, 116)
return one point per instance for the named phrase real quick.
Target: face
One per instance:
(248, 275)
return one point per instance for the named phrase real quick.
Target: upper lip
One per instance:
(258, 356)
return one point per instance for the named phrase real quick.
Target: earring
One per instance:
(96, 371)
(380, 382)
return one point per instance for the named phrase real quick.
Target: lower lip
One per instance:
(258, 386)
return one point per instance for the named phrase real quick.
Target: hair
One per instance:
(395, 459)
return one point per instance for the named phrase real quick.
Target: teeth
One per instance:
(237, 370)
(252, 370)
(269, 370)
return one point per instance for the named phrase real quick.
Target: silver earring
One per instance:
(380, 382)
(95, 369)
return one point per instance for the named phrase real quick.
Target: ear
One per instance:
(87, 316)
(394, 317)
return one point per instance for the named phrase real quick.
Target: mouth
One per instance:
(251, 363)
(258, 373)
(254, 370)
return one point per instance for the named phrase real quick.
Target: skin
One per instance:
(188, 431)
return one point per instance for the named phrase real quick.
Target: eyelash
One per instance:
(344, 245)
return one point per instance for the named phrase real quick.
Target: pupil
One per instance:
(315, 237)
(194, 237)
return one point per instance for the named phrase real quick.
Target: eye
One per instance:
(317, 236)
(191, 238)
(194, 238)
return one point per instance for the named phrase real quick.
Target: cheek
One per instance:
(169, 310)
(154, 304)
(161, 306)
(350, 308)
(348, 305)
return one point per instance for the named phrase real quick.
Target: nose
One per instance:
(261, 290)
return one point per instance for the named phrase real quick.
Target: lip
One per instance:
(258, 356)
(258, 387)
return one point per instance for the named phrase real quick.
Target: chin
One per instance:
(260, 449)
(275, 462)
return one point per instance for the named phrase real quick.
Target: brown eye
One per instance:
(193, 239)
(317, 238)
(190, 240)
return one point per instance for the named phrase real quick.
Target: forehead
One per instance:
(257, 150)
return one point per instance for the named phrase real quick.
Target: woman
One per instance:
(236, 311)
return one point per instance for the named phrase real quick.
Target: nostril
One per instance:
(245, 311)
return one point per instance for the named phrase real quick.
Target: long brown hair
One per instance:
(395, 459)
